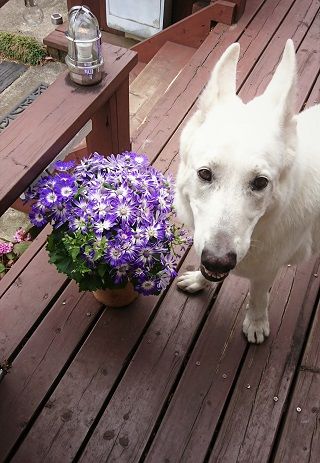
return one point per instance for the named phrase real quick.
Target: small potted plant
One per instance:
(113, 226)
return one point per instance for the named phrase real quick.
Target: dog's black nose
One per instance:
(221, 264)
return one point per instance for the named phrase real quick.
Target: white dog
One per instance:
(249, 183)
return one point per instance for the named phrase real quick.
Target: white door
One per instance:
(142, 18)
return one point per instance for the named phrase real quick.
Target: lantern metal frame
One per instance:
(85, 72)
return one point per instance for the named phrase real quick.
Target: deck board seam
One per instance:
(54, 385)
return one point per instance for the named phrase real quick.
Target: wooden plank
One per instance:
(9, 72)
(300, 442)
(110, 125)
(314, 97)
(122, 116)
(41, 360)
(190, 31)
(91, 376)
(250, 424)
(129, 417)
(155, 79)
(300, 438)
(301, 17)
(26, 300)
(21, 166)
(206, 380)
(254, 35)
(57, 40)
(207, 391)
(23, 261)
(154, 134)
(136, 71)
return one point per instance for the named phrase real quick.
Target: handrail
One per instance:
(33, 140)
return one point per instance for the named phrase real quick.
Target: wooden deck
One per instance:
(171, 378)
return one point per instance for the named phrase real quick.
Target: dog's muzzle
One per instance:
(213, 276)
(215, 268)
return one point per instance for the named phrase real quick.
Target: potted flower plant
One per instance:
(112, 224)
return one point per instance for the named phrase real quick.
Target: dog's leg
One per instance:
(192, 281)
(256, 322)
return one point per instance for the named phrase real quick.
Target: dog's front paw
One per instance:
(256, 330)
(191, 282)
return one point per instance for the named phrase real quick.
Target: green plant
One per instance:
(10, 251)
(21, 48)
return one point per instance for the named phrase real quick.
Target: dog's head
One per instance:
(235, 159)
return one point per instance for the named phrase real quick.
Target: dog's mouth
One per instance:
(213, 276)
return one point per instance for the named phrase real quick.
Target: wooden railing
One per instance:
(31, 142)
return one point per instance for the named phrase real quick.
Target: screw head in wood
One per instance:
(276, 399)
(298, 409)
(198, 363)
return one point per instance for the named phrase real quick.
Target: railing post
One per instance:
(110, 124)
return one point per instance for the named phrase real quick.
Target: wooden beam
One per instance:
(190, 31)
(35, 138)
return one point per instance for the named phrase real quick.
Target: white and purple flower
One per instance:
(122, 208)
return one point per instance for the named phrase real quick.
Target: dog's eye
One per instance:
(205, 174)
(259, 183)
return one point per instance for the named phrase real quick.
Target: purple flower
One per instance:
(49, 197)
(126, 211)
(119, 208)
(64, 165)
(146, 287)
(114, 256)
(37, 218)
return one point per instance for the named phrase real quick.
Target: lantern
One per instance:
(84, 57)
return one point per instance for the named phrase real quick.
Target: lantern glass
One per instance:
(84, 45)
(84, 32)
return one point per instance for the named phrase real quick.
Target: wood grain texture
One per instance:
(25, 301)
(300, 440)
(160, 132)
(190, 31)
(155, 79)
(41, 360)
(250, 425)
(91, 376)
(171, 110)
(9, 72)
(25, 152)
(129, 417)
(206, 381)
(302, 25)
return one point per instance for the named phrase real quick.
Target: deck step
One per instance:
(155, 79)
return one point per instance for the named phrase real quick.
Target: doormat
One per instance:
(9, 72)
(22, 106)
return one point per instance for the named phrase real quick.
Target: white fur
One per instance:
(237, 141)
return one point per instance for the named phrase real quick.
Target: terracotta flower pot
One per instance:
(116, 297)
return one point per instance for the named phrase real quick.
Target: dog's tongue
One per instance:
(213, 276)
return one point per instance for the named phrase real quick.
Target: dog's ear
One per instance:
(281, 91)
(222, 83)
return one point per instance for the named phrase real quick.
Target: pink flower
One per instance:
(21, 235)
(5, 248)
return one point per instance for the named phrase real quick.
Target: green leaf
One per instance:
(20, 248)
(2, 268)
